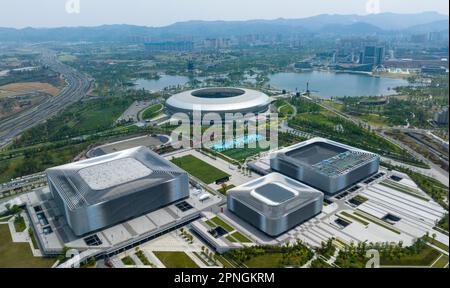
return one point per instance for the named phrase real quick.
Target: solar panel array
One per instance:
(343, 163)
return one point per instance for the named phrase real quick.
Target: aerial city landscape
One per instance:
(317, 141)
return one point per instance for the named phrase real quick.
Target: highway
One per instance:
(77, 85)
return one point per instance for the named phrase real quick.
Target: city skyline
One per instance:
(56, 13)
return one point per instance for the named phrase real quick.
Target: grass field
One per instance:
(437, 243)
(268, 260)
(19, 224)
(355, 218)
(18, 255)
(286, 110)
(218, 221)
(67, 57)
(19, 166)
(152, 111)
(175, 259)
(199, 169)
(127, 260)
(442, 262)
(425, 258)
(243, 153)
(402, 188)
(143, 258)
(240, 237)
(224, 191)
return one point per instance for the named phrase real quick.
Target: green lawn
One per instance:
(19, 224)
(268, 260)
(67, 57)
(355, 218)
(5, 219)
(199, 169)
(437, 243)
(231, 239)
(175, 259)
(360, 198)
(403, 188)
(286, 110)
(441, 263)
(127, 260)
(225, 262)
(222, 223)
(240, 154)
(143, 258)
(210, 224)
(320, 263)
(152, 111)
(386, 226)
(240, 237)
(18, 255)
(425, 258)
(228, 187)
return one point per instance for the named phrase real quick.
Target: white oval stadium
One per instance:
(219, 100)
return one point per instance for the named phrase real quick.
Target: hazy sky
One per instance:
(51, 13)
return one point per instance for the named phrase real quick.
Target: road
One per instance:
(435, 171)
(77, 85)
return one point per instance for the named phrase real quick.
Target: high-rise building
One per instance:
(373, 55)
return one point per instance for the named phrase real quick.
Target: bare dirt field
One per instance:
(15, 89)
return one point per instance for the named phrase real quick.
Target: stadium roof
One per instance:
(218, 99)
(274, 194)
(325, 156)
(106, 177)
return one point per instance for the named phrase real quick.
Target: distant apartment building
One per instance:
(441, 117)
(170, 46)
(216, 43)
(373, 55)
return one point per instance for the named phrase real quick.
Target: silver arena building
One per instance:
(219, 100)
(275, 203)
(324, 164)
(103, 191)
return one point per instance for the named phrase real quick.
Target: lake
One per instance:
(161, 83)
(331, 84)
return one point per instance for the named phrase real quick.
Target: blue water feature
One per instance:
(238, 142)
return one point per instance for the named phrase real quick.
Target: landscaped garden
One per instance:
(18, 255)
(175, 259)
(199, 169)
(152, 111)
(269, 256)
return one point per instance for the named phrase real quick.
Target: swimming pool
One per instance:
(238, 142)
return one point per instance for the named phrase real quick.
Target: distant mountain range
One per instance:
(382, 23)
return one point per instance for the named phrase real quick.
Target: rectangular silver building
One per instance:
(274, 203)
(106, 190)
(324, 164)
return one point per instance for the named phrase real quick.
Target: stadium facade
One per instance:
(106, 190)
(326, 165)
(219, 100)
(274, 203)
